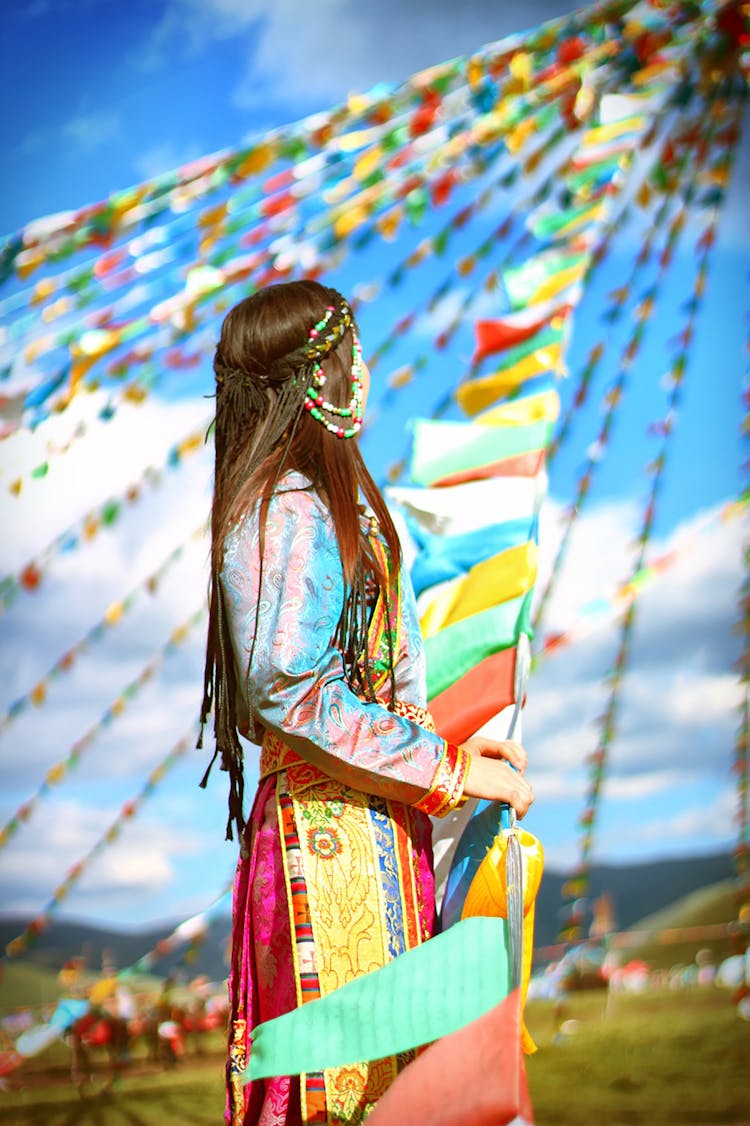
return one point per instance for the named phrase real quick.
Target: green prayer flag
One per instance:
(459, 647)
(443, 446)
(523, 282)
(422, 995)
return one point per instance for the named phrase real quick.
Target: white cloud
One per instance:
(78, 588)
(678, 695)
(84, 132)
(298, 54)
(698, 828)
(89, 130)
(140, 862)
(699, 822)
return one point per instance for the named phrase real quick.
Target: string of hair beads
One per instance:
(316, 329)
(316, 403)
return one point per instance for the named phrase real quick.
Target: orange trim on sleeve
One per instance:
(447, 790)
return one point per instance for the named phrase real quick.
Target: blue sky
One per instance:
(118, 93)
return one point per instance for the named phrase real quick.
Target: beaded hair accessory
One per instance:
(287, 377)
(316, 404)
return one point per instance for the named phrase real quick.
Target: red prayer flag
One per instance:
(475, 1075)
(520, 465)
(477, 696)
(497, 335)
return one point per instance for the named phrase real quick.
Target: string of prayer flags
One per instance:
(18, 945)
(113, 615)
(598, 759)
(565, 132)
(614, 394)
(36, 1037)
(61, 769)
(30, 576)
(600, 611)
(742, 733)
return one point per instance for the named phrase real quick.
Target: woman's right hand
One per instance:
(494, 780)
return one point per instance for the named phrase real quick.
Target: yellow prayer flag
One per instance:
(517, 137)
(37, 348)
(28, 261)
(340, 190)
(474, 71)
(533, 160)
(190, 445)
(256, 160)
(544, 406)
(357, 139)
(212, 215)
(480, 393)
(356, 104)
(644, 195)
(389, 223)
(113, 613)
(103, 989)
(207, 243)
(520, 67)
(38, 693)
(55, 773)
(57, 309)
(718, 176)
(621, 128)
(422, 251)
(560, 281)
(401, 377)
(646, 76)
(42, 290)
(504, 576)
(349, 220)
(367, 163)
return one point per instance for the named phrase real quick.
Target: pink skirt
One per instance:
(335, 883)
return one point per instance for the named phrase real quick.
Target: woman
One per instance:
(314, 653)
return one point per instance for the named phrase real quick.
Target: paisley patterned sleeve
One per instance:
(411, 672)
(295, 684)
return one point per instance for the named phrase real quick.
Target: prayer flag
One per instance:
(457, 648)
(534, 280)
(396, 1008)
(479, 394)
(443, 448)
(466, 706)
(526, 410)
(504, 332)
(522, 465)
(467, 507)
(475, 1076)
(442, 558)
(488, 583)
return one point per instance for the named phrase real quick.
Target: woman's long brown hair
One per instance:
(261, 432)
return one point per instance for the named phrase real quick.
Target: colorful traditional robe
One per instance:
(336, 878)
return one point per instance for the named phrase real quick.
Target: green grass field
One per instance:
(658, 1058)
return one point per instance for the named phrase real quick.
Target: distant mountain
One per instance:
(698, 911)
(65, 940)
(636, 891)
